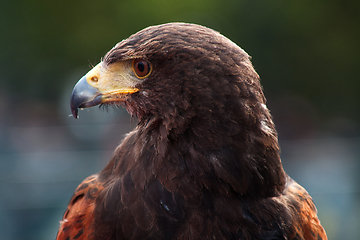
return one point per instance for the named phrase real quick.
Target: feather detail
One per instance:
(204, 161)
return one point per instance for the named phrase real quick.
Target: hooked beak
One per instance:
(103, 84)
(83, 96)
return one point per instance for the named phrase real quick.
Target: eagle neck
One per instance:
(248, 166)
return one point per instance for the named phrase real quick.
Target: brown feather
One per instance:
(78, 218)
(203, 162)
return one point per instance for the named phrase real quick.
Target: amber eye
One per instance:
(141, 67)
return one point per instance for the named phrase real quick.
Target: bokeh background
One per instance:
(306, 52)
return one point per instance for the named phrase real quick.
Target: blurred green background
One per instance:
(306, 52)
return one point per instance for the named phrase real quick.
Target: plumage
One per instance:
(203, 162)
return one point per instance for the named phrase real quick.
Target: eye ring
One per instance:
(141, 67)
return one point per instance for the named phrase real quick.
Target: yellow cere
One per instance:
(116, 78)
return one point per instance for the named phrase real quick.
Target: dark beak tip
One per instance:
(74, 112)
(74, 105)
(83, 96)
